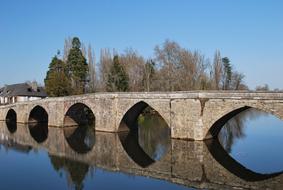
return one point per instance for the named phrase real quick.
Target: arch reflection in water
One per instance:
(12, 126)
(38, 124)
(81, 138)
(79, 128)
(233, 166)
(250, 138)
(153, 134)
(149, 137)
(38, 131)
(189, 163)
(11, 121)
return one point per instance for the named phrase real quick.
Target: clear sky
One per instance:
(249, 32)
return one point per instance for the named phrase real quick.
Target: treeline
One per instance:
(173, 68)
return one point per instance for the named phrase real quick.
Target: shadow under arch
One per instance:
(79, 128)
(38, 115)
(224, 159)
(216, 127)
(79, 114)
(134, 150)
(38, 124)
(11, 121)
(130, 119)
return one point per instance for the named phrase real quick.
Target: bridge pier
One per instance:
(186, 121)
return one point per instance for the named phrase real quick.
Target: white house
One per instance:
(21, 92)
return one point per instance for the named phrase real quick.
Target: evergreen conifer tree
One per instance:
(77, 67)
(227, 75)
(56, 81)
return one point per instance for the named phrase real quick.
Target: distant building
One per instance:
(21, 92)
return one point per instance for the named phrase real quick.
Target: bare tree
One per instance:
(181, 69)
(67, 47)
(134, 65)
(237, 81)
(168, 58)
(201, 72)
(83, 49)
(104, 67)
(265, 87)
(186, 71)
(173, 68)
(217, 70)
(91, 69)
(192, 71)
(148, 75)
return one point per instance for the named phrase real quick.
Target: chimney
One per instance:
(34, 85)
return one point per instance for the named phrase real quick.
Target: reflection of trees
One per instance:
(134, 150)
(225, 160)
(75, 171)
(154, 134)
(234, 128)
(150, 141)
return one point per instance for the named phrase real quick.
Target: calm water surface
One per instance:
(247, 153)
(254, 138)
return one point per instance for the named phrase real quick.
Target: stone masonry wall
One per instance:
(190, 115)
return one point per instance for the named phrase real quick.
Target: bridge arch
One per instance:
(38, 114)
(11, 116)
(143, 130)
(38, 123)
(131, 114)
(79, 128)
(214, 126)
(11, 120)
(79, 114)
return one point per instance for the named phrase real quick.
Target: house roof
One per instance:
(22, 89)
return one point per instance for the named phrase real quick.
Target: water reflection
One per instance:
(131, 145)
(74, 170)
(153, 135)
(197, 165)
(233, 166)
(233, 129)
(12, 126)
(11, 144)
(249, 137)
(81, 138)
(38, 131)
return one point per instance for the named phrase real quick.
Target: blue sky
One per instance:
(249, 32)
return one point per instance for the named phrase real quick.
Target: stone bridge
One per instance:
(190, 115)
(190, 163)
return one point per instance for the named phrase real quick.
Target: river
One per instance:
(246, 155)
